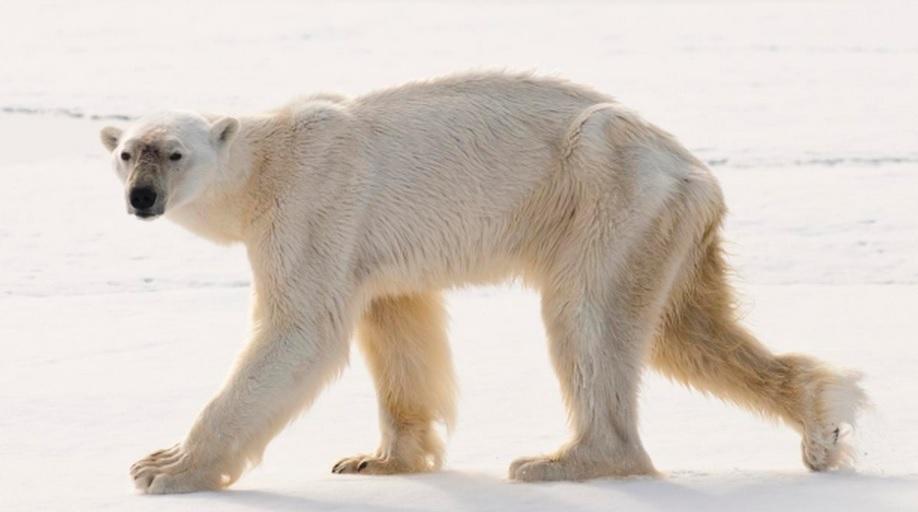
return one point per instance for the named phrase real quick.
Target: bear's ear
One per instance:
(223, 130)
(110, 137)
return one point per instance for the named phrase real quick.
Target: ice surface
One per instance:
(116, 332)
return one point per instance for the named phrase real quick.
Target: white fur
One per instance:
(358, 212)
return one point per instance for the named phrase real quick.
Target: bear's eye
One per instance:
(175, 156)
(125, 156)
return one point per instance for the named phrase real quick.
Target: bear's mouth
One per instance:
(149, 214)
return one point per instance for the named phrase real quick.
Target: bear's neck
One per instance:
(227, 211)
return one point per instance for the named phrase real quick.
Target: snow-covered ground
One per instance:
(115, 332)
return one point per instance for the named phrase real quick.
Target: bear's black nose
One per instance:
(142, 197)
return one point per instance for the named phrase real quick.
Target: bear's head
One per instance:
(167, 160)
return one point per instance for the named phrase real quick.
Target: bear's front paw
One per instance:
(381, 465)
(176, 470)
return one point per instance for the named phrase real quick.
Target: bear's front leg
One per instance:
(404, 341)
(281, 370)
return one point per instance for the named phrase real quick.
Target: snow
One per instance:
(116, 332)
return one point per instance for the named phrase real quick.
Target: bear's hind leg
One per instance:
(404, 341)
(603, 298)
(702, 345)
(597, 351)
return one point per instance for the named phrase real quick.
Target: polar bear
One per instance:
(356, 214)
